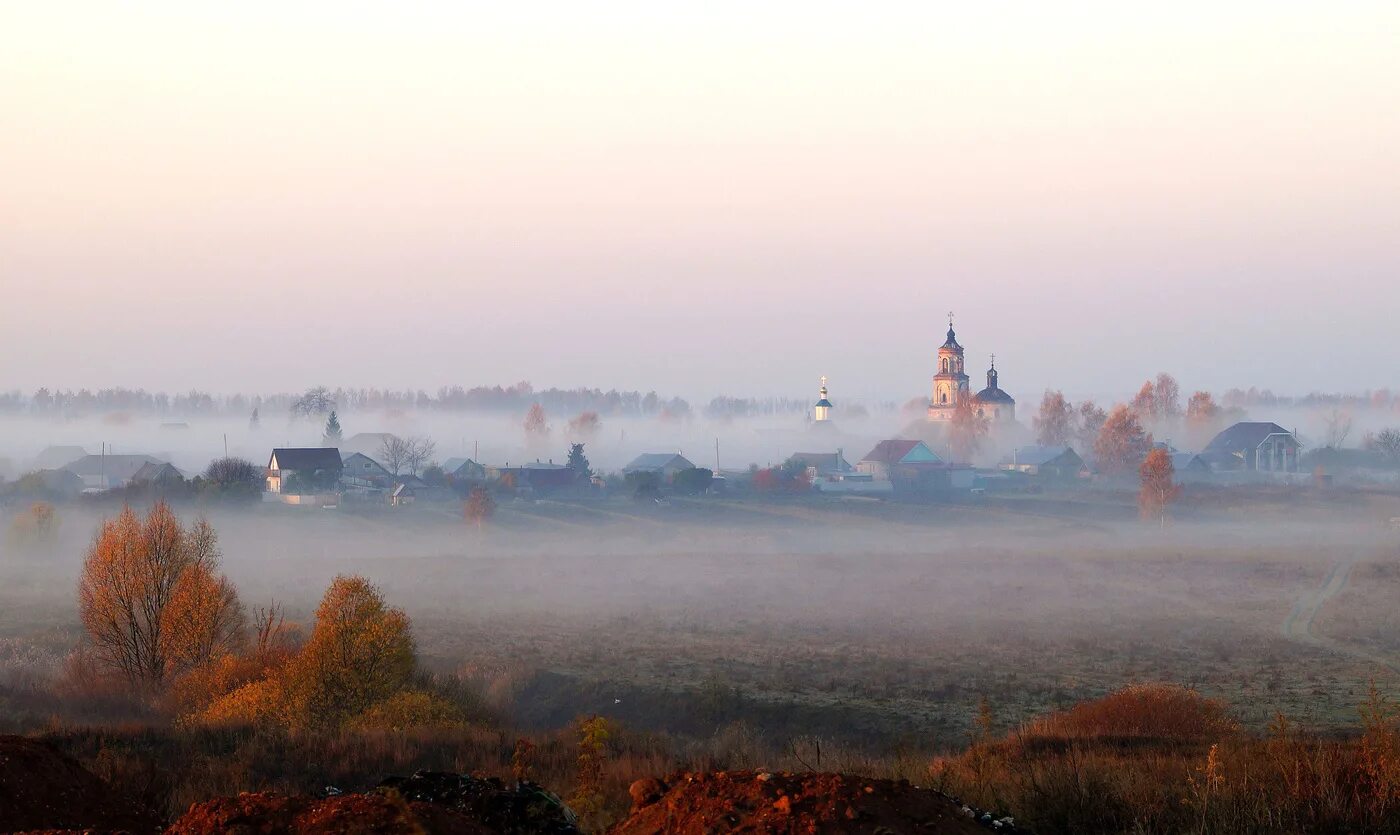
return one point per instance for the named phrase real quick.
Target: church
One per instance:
(951, 387)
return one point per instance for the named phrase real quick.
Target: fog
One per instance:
(499, 438)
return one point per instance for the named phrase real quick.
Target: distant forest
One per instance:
(515, 399)
(511, 399)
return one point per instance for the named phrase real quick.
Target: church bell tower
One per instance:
(950, 384)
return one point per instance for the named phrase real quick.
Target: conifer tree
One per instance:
(333, 435)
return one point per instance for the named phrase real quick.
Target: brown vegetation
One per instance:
(1054, 423)
(1160, 758)
(151, 600)
(1159, 488)
(762, 802)
(1122, 443)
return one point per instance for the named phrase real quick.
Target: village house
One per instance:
(109, 472)
(882, 461)
(536, 477)
(463, 469)
(664, 464)
(360, 470)
(1255, 446)
(57, 457)
(820, 464)
(159, 473)
(1059, 463)
(304, 471)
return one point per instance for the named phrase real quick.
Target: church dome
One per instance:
(993, 395)
(952, 340)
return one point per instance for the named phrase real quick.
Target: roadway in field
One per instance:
(1300, 623)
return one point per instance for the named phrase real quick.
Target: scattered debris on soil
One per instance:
(436, 803)
(816, 804)
(265, 813)
(41, 788)
(526, 809)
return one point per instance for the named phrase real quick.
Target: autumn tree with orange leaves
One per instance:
(1159, 487)
(966, 432)
(1054, 424)
(152, 600)
(535, 424)
(360, 653)
(1122, 443)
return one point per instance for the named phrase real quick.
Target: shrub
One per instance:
(407, 710)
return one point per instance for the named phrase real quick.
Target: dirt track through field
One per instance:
(1299, 624)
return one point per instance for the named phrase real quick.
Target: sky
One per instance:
(699, 198)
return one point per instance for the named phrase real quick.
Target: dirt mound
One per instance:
(437, 803)
(265, 813)
(41, 788)
(758, 802)
(525, 809)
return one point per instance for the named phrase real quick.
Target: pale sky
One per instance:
(736, 198)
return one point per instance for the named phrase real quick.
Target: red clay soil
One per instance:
(266, 813)
(42, 789)
(811, 804)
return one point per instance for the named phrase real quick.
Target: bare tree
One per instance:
(1387, 442)
(420, 452)
(316, 401)
(1338, 427)
(1166, 397)
(394, 453)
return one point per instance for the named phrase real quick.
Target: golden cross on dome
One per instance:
(950, 320)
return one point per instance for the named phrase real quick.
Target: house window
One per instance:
(945, 397)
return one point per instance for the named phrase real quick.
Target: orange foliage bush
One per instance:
(1164, 712)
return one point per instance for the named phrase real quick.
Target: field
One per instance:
(878, 626)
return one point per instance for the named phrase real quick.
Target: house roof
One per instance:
(891, 451)
(455, 466)
(1246, 435)
(306, 458)
(826, 462)
(158, 471)
(357, 460)
(54, 457)
(121, 467)
(1188, 461)
(824, 402)
(1038, 456)
(655, 461)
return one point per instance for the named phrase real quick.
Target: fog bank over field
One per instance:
(499, 438)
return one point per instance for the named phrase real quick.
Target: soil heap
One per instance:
(41, 788)
(436, 803)
(813, 804)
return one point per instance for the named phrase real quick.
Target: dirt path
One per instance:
(1298, 626)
